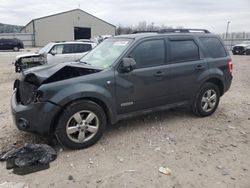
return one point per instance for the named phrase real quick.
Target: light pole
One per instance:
(228, 22)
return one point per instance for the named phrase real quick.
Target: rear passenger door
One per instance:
(187, 64)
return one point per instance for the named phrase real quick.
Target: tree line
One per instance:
(6, 28)
(144, 26)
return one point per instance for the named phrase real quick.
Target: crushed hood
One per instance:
(57, 72)
(28, 55)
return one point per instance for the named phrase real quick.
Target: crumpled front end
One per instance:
(30, 114)
(23, 63)
(33, 111)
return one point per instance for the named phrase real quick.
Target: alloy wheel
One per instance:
(82, 126)
(209, 100)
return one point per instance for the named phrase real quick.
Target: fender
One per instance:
(83, 90)
(207, 75)
(217, 74)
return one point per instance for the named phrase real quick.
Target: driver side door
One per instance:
(147, 85)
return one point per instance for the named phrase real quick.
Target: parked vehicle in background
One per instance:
(11, 44)
(124, 76)
(241, 49)
(54, 52)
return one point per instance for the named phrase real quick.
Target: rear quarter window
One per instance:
(214, 47)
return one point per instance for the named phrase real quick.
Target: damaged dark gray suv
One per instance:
(124, 76)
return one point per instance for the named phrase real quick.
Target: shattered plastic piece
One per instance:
(29, 158)
(165, 171)
(231, 127)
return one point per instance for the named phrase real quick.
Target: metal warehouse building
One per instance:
(67, 26)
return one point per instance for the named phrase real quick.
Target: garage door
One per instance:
(82, 33)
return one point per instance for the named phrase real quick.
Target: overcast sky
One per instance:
(209, 14)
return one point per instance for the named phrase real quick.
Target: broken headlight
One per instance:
(38, 96)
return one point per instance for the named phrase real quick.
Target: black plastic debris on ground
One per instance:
(29, 158)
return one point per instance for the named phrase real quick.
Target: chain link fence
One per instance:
(230, 42)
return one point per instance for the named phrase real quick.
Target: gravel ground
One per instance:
(201, 152)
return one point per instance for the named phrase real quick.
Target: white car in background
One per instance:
(241, 49)
(54, 52)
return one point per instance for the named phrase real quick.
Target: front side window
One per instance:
(183, 50)
(149, 53)
(57, 49)
(106, 53)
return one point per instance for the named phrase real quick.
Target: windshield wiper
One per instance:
(86, 63)
(99, 68)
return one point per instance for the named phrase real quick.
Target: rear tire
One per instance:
(207, 100)
(81, 125)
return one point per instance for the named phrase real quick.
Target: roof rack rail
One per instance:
(183, 31)
(135, 32)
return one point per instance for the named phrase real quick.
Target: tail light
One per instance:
(230, 66)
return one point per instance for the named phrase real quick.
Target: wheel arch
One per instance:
(102, 104)
(218, 82)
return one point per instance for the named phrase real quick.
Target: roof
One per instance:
(151, 34)
(72, 42)
(68, 12)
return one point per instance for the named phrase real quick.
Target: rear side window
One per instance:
(183, 50)
(149, 53)
(80, 48)
(214, 47)
(68, 48)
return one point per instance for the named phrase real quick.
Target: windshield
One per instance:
(106, 53)
(45, 48)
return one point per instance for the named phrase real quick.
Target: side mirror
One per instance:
(53, 53)
(127, 65)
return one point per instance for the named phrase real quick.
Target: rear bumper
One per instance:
(36, 117)
(228, 82)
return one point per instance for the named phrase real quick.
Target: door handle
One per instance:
(199, 67)
(159, 74)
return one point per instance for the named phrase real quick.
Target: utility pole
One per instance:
(228, 22)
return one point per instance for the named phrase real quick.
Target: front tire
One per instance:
(81, 125)
(207, 100)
